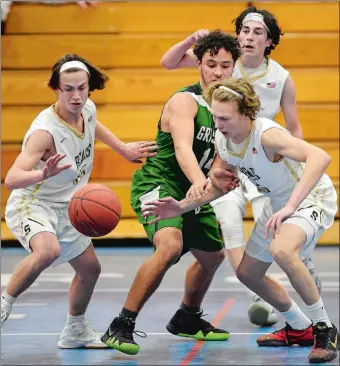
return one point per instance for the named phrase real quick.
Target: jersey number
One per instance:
(26, 230)
(204, 160)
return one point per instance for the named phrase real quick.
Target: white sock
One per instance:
(296, 318)
(318, 313)
(74, 318)
(8, 298)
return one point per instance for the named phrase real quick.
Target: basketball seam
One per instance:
(107, 208)
(98, 203)
(75, 214)
(89, 217)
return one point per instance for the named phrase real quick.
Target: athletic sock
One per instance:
(128, 314)
(318, 313)
(8, 298)
(71, 319)
(296, 318)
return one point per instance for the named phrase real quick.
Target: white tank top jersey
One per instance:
(268, 88)
(78, 148)
(275, 180)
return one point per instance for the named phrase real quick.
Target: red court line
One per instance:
(190, 356)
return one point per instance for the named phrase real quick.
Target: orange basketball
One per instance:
(94, 210)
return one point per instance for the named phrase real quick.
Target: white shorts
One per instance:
(246, 191)
(26, 217)
(312, 217)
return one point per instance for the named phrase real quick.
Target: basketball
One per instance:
(94, 210)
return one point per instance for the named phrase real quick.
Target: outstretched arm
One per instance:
(276, 141)
(168, 207)
(21, 174)
(221, 173)
(180, 112)
(133, 151)
(181, 55)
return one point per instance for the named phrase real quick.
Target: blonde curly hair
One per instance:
(247, 100)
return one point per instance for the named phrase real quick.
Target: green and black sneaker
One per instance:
(326, 343)
(193, 326)
(119, 336)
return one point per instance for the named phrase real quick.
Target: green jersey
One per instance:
(161, 176)
(165, 166)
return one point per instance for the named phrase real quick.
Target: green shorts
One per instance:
(199, 227)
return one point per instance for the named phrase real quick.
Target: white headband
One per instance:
(255, 17)
(238, 95)
(74, 65)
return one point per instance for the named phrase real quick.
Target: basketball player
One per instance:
(258, 33)
(186, 149)
(302, 204)
(55, 161)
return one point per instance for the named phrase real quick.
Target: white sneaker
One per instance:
(261, 313)
(6, 309)
(80, 335)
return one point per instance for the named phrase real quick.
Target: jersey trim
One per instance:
(72, 129)
(254, 78)
(242, 153)
(200, 100)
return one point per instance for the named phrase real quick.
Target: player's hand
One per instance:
(134, 151)
(224, 179)
(209, 186)
(273, 225)
(163, 208)
(52, 168)
(86, 4)
(194, 38)
(197, 190)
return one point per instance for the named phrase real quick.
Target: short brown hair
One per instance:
(97, 78)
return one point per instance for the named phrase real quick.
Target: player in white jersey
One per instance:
(258, 33)
(302, 204)
(56, 160)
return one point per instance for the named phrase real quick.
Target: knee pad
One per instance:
(230, 217)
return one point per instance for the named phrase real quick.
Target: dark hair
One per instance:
(271, 22)
(97, 78)
(216, 40)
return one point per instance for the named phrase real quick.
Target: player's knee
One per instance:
(243, 274)
(93, 269)
(46, 257)
(217, 258)
(170, 252)
(212, 260)
(282, 256)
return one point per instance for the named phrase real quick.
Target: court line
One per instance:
(29, 304)
(151, 334)
(194, 351)
(124, 290)
(16, 316)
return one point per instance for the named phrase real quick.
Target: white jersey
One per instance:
(275, 180)
(268, 88)
(78, 148)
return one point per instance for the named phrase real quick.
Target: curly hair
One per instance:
(97, 78)
(214, 41)
(248, 105)
(271, 22)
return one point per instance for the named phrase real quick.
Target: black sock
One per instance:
(125, 313)
(190, 309)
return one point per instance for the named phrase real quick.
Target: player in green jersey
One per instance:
(185, 138)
